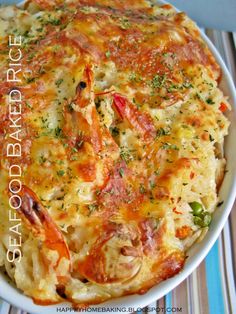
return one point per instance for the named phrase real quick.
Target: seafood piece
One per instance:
(116, 255)
(140, 121)
(37, 219)
(82, 120)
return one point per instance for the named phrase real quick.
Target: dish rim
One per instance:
(14, 296)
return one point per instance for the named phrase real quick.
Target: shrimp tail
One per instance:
(37, 219)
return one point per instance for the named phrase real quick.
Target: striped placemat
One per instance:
(211, 287)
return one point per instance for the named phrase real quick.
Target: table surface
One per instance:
(211, 288)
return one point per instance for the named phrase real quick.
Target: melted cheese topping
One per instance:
(121, 120)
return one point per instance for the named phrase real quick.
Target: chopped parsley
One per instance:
(28, 105)
(30, 80)
(211, 138)
(152, 184)
(74, 150)
(42, 159)
(124, 23)
(58, 82)
(126, 155)
(70, 107)
(142, 189)
(169, 146)
(31, 56)
(134, 77)
(121, 172)
(60, 173)
(92, 208)
(210, 101)
(158, 81)
(54, 21)
(162, 132)
(108, 54)
(58, 132)
(114, 131)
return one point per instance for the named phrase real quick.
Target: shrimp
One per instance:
(115, 257)
(82, 122)
(85, 133)
(37, 219)
(86, 113)
(139, 121)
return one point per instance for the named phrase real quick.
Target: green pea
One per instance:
(203, 220)
(196, 207)
(197, 221)
(207, 219)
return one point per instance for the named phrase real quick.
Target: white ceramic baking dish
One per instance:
(197, 253)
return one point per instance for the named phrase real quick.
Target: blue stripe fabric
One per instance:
(168, 300)
(214, 284)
